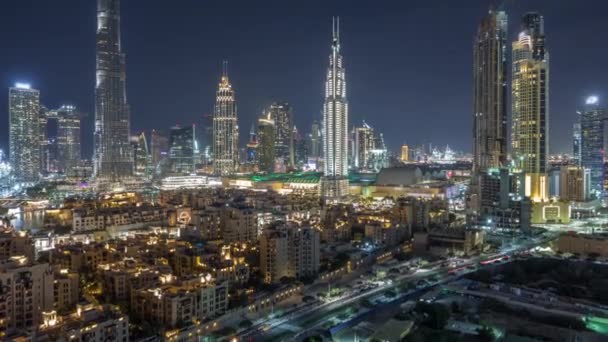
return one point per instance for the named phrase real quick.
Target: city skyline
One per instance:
(306, 103)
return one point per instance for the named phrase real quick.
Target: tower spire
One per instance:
(225, 68)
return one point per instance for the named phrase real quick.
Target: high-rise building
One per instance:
(530, 107)
(68, 139)
(405, 153)
(159, 146)
(252, 146)
(364, 144)
(334, 183)
(113, 159)
(48, 144)
(300, 147)
(225, 128)
(182, 149)
(378, 157)
(576, 142)
(592, 142)
(490, 93)
(266, 140)
(24, 132)
(282, 115)
(315, 143)
(141, 155)
(534, 24)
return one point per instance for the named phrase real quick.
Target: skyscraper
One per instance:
(68, 138)
(490, 92)
(576, 142)
(405, 153)
(24, 132)
(159, 145)
(315, 141)
(364, 144)
(335, 124)
(530, 106)
(266, 143)
(592, 142)
(282, 115)
(182, 149)
(225, 128)
(141, 155)
(113, 158)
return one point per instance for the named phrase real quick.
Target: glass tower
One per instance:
(592, 142)
(113, 157)
(530, 107)
(335, 124)
(24, 132)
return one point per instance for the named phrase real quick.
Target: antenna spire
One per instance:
(335, 28)
(225, 68)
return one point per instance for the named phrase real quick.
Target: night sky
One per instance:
(408, 63)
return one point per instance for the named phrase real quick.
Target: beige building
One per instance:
(303, 252)
(13, 243)
(457, 241)
(405, 153)
(171, 305)
(574, 183)
(27, 292)
(239, 224)
(274, 255)
(66, 289)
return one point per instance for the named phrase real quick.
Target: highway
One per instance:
(307, 313)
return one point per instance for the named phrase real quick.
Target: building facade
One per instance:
(113, 158)
(266, 136)
(24, 132)
(490, 93)
(530, 107)
(182, 149)
(68, 139)
(335, 124)
(592, 142)
(282, 115)
(225, 129)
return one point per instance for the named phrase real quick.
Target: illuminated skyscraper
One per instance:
(141, 155)
(159, 146)
(490, 93)
(405, 153)
(68, 138)
(592, 142)
(182, 149)
(24, 132)
(576, 142)
(335, 124)
(530, 107)
(266, 138)
(364, 144)
(315, 141)
(113, 159)
(225, 129)
(282, 115)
